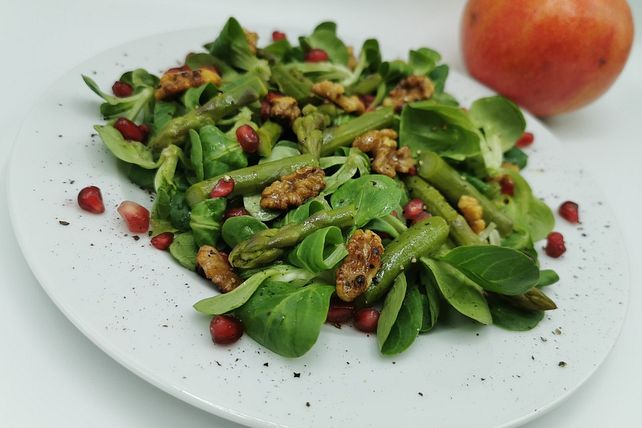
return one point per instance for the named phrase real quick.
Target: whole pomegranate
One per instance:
(550, 56)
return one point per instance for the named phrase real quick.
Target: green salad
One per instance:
(308, 184)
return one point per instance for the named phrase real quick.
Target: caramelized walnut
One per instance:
(361, 264)
(473, 212)
(334, 92)
(252, 38)
(177, 81)
(211, 264)
(284, 109)
(382, 144)
(412, 88)
(294, 189)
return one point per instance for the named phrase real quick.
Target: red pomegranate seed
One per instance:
(162, 241)
(223, 187)
(339, 312)
(144, 129)
(555, 246)
(136, 216)
(277, 36)
(525, 140)
(122, 89)
(570, 211)
(316, 55)
(247, 138)
(271, 96)
(412, 171)
(265, 110)
(421, 217)
(507, 185)
(235, 212)
(366, 319)
(413, 208)
(225, 329)
(90, 199)
(129, 130)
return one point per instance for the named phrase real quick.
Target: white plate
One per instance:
(136, 303)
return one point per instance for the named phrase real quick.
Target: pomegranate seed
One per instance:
(412, 171)
(247, 138)
(225, 329)
(235, 212)
(122, 89)
(277, 36)
(421, 217)
(569, 210)
(366, 319)
(413, 208)
(222, 188)
(271, 96)
(316, 55)
(136, 216)
(265, 110)
(507, 185)
(367, 100)
(90, 199)
(555, 246)
(525, 140)
(144, 129)
(128, 129)
(162, 241)
(339, 312)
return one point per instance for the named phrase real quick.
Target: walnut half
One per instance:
(473, 212)
(211, 264)
(294, 189)
(362, 263)
(412, 88)
(175, 82)
(334, 92)
(382, 144)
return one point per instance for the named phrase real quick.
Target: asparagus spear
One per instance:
(449, 182)
(250, 180)
(460, 231)
(533, 300)
(343, 135)
(267, 245)
(309, 130)
(269, 134)
(421, 239)
(241, 92)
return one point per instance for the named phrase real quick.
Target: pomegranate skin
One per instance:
(549, 56)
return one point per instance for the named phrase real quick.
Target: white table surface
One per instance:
(51, 375)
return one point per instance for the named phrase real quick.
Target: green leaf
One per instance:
(304, 211)
(184, 249)
(356, 161)
(547, 277)
(126, 150)
(130, 107)
(238, 229)
(498, 269)
(373, 195)
(325, 37)
(195, 97)
(390, 310)
(528, 212)
(281, 150)
(430, 301)
(502, 124)
(202, 59)
(164, 111)
(423, 60)
(407, 325)
(319, 251)
(511, 318)
(443, 129)
(215, 151)
(516, 156)
(459, 291)
(206, 220)
(520, 240)
(252, 204)
(291, 81)
(438, 76)
(286, 319)
(223, 303)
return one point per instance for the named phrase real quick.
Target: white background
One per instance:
(51, 375)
